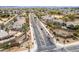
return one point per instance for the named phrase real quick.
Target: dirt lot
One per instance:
(62, 36)
(75, 22)
(23, 46)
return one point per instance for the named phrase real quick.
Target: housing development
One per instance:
(39, 29)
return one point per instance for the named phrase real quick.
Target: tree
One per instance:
(15, 19)
(71, 27)
(25, 28)
(67, 41)
(75, 34)
(71, 17)
(7, 29)
(65, 18)
(57, 12)
(2, 26)
(57, 39)
(63, 24)
(76, 27)
(0, 19)
(4, 15)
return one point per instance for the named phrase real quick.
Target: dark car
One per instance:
(41, 29)
(35, 17)
(48, 37)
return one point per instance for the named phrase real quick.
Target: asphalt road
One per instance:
(41, 35)
(43, 39)
(74, 48)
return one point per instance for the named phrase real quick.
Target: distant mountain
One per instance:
(39, 6)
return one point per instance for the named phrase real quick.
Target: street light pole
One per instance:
(28, 47)
(64, 44)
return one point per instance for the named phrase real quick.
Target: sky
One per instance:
(39, 3)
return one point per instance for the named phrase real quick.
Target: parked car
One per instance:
(41, 29)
